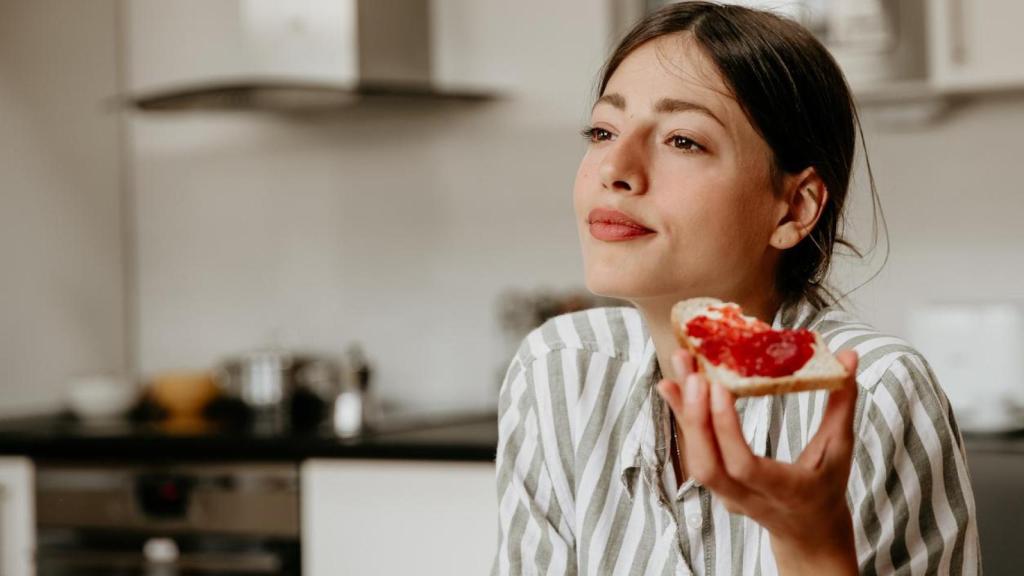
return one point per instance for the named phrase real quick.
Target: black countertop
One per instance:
(460, 437)
(466, 437)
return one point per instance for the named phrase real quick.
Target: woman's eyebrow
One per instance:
(672, 105)
(663, 106)
(616, 100)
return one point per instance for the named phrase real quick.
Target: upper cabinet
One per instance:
(976, 45)
(914, 51)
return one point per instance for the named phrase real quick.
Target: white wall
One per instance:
(393, 226)
(61, 296)
(954, 200)
(399, 227)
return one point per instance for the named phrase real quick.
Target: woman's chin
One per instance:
(640, 290)
(614, 286)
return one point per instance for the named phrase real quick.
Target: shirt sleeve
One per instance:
(910, 493)
(535, 535)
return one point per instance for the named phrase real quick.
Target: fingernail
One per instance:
(677, 365)
(692, 388)
(717, 397)
(661, 389)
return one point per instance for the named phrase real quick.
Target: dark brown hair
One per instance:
(796, 97)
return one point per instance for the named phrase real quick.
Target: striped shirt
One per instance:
(585, 484)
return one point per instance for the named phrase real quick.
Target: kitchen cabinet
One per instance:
(912, 59)
(17, 520)
(976, 45)
(386, 517)
(997, 474)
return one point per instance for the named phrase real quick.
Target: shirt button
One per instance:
(694, 521)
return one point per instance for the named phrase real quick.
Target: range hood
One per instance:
(277, 55)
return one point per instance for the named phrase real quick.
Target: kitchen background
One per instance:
(148, 242)
(135, 243)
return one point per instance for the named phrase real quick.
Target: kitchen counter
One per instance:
(996, 460)
(460, 437)
(465, 437)
(1005, 442)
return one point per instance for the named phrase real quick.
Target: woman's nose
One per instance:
(623, 168)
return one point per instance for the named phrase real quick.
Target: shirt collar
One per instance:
(646, 444)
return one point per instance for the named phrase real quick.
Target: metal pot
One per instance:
(260, 379)
(268, 378)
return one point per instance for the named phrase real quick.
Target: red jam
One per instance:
(750, 348)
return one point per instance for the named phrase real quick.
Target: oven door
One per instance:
(88, 553)
(231, 519)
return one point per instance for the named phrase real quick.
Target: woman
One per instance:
(719, 160)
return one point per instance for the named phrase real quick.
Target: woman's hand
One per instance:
(803, 504)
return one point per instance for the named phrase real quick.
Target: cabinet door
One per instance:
(977, 44)
(17, 520)
(997, 477)
(369, 517)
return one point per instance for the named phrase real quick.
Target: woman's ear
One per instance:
(804, 199)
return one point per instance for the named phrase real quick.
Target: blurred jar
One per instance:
(356, 409)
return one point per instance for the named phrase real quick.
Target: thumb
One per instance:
(833, 442)
(842, 401)
(842, 404)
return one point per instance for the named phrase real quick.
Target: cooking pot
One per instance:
(267, 378)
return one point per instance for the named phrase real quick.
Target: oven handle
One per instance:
(69, 561)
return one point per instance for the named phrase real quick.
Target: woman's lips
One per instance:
(616, 232)
(614, 226)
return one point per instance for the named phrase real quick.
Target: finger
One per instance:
(736, 454)
(849, 359)
(669, 389)
(683, 364)
(761, 475)
(834, 438)
(701, 447)
(840, 411)
(671, 392)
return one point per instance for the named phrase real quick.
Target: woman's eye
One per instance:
(684, 143)
(597, 134)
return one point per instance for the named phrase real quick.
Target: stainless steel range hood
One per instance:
(276, 55)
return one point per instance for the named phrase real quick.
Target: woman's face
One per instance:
(672, 150)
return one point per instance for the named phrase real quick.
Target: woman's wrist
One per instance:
(830, 551)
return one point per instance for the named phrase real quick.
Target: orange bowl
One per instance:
(184, 394)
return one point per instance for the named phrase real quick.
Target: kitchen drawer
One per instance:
(370, 517)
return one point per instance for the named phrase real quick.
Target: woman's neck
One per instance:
(657, 316)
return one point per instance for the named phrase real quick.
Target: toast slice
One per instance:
(746, 356)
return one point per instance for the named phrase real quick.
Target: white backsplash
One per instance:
(396, 226)
(397, 230)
